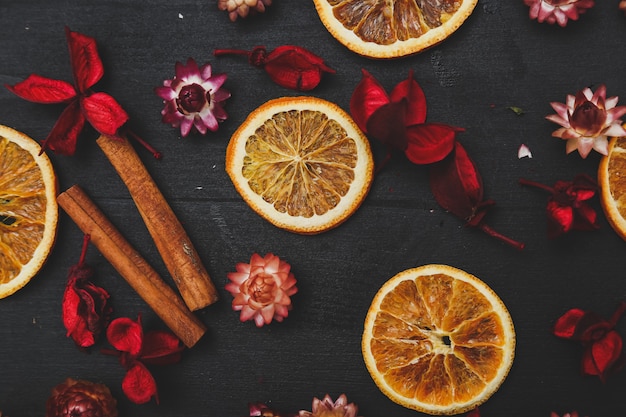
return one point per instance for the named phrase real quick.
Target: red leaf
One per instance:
(64, 135)
(456, 184)
(161, 348)
(410, 90)
(86, 63)
(606, 352)
(294, 67)
(368, 96)
(44, 90)
(126, 335)
(566, 325)
(139, 384)
(104, 113)
(387, 124)
(428, 143)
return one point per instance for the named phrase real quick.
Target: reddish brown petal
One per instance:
(387, 125)
(428, 143)
(86, 63)
(139, 385)
(44, 90)
(64, 135)
(161, 348)
(411, 90)
(566, 325)
(104, 113)
(126, 335)
(367, 97)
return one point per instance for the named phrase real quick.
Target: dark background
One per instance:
(499, 58)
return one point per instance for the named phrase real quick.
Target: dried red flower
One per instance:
(289, 66)
(568, 208)
(262, 410)
(86, 309)
(603, 354)
(398, 120)
(81, 398)
(557, 11)
(99, 109)
(457, 186)
(135, 349)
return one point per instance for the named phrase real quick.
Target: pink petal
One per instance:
(165, 92)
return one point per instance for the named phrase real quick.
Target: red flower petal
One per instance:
(44, 90)
(86, 63)
(161, 348)
(566, 325)
(428, 143)
(139, 384)
(74, 323)
(560, 219)
(606, 352)
(411, 90)
(367, 97)
(294, 67)
(64, 135)
(126, 335)
(387, 124)
(104, 113)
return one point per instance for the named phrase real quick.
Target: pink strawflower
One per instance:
(328, 408)
(587, 120)
(262, 289)
(193, 98)
(557, 11)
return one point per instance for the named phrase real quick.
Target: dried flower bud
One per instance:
(81, 398)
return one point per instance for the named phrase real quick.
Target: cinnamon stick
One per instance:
(132, 266)
(171, 240)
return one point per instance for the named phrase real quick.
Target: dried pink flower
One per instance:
(262, 289)
(327, 408)
(241, 8)
(587, 120)
(193, 98)
(557, 11)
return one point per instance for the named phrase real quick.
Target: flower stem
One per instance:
(83, 252)
(493, 233)
(530, 183)
(220, 52)
(621, 308)
(149, 148)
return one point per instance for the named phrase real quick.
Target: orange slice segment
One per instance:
(438, 340)
(28, 209)
(301, 163)
(612, 182)
(392, 28)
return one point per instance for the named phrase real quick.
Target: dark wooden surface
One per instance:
(497, 59)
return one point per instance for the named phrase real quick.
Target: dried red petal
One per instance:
(126, 335)
(161, 348)
(43, 90)
(368, 96)
(606, 352)
(86, 63)
(410, 90)
(566, 325)
(64, 135)
(474, 413)
(387, 124)
(295, 67)
(139, 384)
(428, 143)
(104, 113)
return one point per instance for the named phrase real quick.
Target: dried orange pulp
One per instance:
(612, 182)
(438, 340)
(392, 28)
(301, 163)
(28, 209)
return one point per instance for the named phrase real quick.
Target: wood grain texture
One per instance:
(499, 58)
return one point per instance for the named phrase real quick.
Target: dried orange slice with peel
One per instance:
(28, 209)
(612, 182)
(301, 163)
(392, 28)
(438, 340)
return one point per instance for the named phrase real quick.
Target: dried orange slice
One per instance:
(301, 163)
(392, 28)
(28, 209)
(438, 340)
(612, 182)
